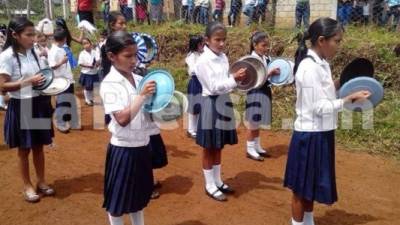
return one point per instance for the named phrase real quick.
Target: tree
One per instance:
(28, 8)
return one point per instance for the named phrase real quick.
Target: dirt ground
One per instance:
(368, 185)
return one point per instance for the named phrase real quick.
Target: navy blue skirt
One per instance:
(128, 181)
(310, 168)
(23, 132)
(194, 95)
(64, 101)
(88, 80)
(259, 106)
(217, 125)
(158, 153)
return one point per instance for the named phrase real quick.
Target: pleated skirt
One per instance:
(310, 168)
(128, 181)
(217, 125)
(22, 129)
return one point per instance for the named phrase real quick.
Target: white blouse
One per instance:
(87, 58)
(118, 93)
(29, 67)
(191, 60)
(316, 106)
(212, 70)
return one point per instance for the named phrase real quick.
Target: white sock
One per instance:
(297, 223)
(192, 123)
(217, 175)
(115, 220)
(1, 100)
(137, 218)
(209, 177)
(90, 95)
(308, 218)
(86, 94)
(257, 145)
(251, 149)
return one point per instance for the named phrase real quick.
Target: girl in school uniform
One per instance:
(19, 71)
(61, 24)
(196, 46)
(128, 182)
(41, 47)
(88, 60)
(116, 22)
(310, 169)
(216, 126)
(259, 101)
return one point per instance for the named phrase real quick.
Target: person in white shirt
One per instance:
(41, 47)
(259, 101)
(89, 62)
(196, 46)
(250, 9)
(66, 107)
(27, 123)
(128, 178)
(216, 126)
(310, 168)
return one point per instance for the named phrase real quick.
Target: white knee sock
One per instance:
(209, 177)
(192, 123)
(308, 218)
(2, 100)
(86, 94)
(251, 149)
(137, 218)
(217, 175)
(115, 220)
(90, 95)
(257, 145)
(294, 222)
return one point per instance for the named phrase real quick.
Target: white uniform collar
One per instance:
(210, 54)
(316, 57)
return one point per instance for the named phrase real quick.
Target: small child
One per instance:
(196, 46)
(41, 47)
(89, 62)
(66, 108)
(218, 14)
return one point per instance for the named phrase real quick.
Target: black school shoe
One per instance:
(226, 189)
(220, 198)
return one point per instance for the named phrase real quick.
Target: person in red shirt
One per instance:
(85, 10)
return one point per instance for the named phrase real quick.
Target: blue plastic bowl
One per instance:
(360, 84)
(165, 88)
(286, 71)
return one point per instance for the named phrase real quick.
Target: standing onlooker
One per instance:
(196, 11)
(85, 8)
(126, 10)
(204, 9)
(156, 10)
(218, 14)
(236, 6)
(344, 11)
(261, 11)
(393, 9)
(357, 13)
(141, 11)
(185, 11)
(250, 8)
(302, 13)
(105, 9)
(366, 13)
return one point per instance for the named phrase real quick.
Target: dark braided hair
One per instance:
(322, 27)
(18, 25)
